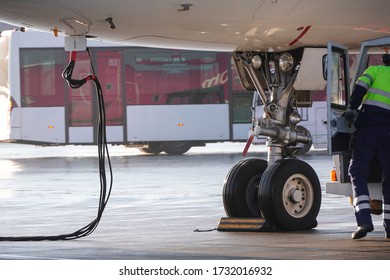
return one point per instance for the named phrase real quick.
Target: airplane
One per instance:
(281, 50)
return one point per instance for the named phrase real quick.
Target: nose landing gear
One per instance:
(280, 193)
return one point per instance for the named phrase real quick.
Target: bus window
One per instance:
(161, 77)
(241, 106)
(40, 77)
(236, 84)
(241, 100)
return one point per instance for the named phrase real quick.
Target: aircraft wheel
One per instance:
(290, 195)
(241, 186)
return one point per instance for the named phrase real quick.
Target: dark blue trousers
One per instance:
(370, 141)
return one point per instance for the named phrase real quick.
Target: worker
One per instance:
(371, 139)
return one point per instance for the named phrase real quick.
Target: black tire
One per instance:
(152, 149)
(290, 195)
(176, 148)
(240, 188)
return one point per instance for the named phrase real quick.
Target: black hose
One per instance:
(103, 158)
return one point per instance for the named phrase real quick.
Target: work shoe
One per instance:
(362, 231)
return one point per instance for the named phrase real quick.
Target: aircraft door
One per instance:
(336, 72)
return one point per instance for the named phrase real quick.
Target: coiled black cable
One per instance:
(103, 158)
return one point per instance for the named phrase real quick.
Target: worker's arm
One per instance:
(357, 96)
(356, 99)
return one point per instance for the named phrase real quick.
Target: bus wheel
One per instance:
(290, 195)
(176, 148)
(241, 187)
(152, 148)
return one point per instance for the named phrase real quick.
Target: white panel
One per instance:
(4, 117)
(79, 135)
(114, 133)
(241, 131)
(178, 122)
(16, 133)
(375, 189)
(85, 134)
(320, 139)
(43, 124)
(16, 124)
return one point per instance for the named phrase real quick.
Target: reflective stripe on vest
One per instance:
(376, 79)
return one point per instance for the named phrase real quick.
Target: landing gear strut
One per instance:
(281, 191)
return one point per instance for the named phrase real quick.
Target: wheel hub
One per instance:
(297, 195)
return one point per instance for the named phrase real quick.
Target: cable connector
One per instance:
(68, 72)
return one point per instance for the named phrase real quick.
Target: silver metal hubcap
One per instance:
(298, 195)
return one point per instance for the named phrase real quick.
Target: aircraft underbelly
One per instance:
(217, 25)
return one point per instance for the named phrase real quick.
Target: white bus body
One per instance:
(157, 99)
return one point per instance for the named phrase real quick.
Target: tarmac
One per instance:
(161, 208)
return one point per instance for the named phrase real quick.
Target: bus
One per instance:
(159, 100)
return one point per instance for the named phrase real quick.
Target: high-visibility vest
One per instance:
(376, 80)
